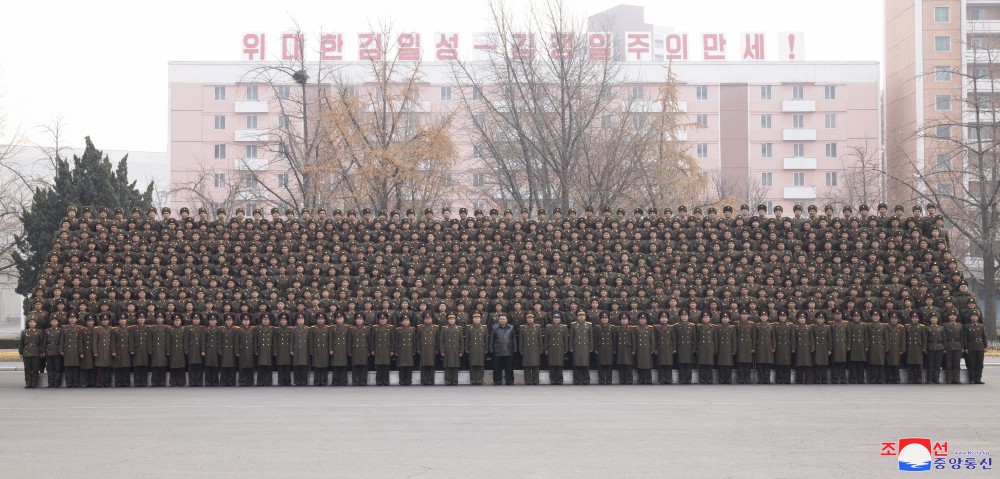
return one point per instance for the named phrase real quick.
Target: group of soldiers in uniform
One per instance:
(850, 298)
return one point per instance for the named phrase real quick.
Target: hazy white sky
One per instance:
(102, 65)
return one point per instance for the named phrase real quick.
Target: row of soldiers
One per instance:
(839, 351)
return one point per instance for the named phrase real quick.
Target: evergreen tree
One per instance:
(90, 181)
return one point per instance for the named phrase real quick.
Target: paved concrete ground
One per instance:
(488, 431)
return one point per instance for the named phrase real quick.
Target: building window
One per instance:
(282, 180)
(283, 121)
(830, 92)
(478, 121)
(831, 178)
(605, 121)
(770, 207)
(942, 43)
(220, 93)
(701, 92)
(477, 151)
(251, 151)
(477, 93)
(767, 179)
(977, 14)
(251, 122)
(798, 92)
(798, 179)
(250, 93)
(831, 150)
(284, 92)
(637, 92)
(942, 73)
(282, 150)
(830, 120)
(943, 132)
(942, 102)
(446, 93)
(798, 121)
(798, 150)
(220, 152)
(478, 180)
(220, 180)
(702, 149)
(702, 120)
(765, 121)
(638, 122)
(943, 163)
(220, 122)
(946, 190)
(765, 92)
(765, 150)
(980, 43)
(942, 14)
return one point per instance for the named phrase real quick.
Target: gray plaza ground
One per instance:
(488, 431)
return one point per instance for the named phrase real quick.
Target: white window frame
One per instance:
(766, 150)
(702, 120)
(798, 150)
(766, 179)
(251, 122)
(765, 92)
(637, 92)
(942, 73)
(701, 92)
(251, 93)
(765, 121)
(942, 102)
(251, 151)
(220, 122)
(446, 93)
(220, 93)
(798, 92)
(830, 120)
(478, 179)
(798, 121)
(942, 14)
(283, 180)
(284, 92)
(220, 151)
(219, 180)
(938, 47)
(830, 92)
(831, 179)
(798, 178)
(831, 150)
(701, 150)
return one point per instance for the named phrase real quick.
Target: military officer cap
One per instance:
(557, 211)
(525, 211)
(185, 210)
(428, 211)
(351, 213)
(762, 207)
(712, 210)
(507, 211)
(410, 211)
(494, 211)
(162, 210)
(604, 314)
(463, 210)
(103, 209)
(220, 211)
(797, 208)
(241, 210)
(581, 313)
(847, 208)
(257, 211)
(606, 209)
(477, 315)
(588, 208)
(73, 208)
(134, 209)
(289, 211)
(779, 208)
(883, 206)
(917, 208)
(812, 208)
(697, 211)
(386, 316)
(541, 212)
(338, 212)
(152, 209)
(202, 210)
(445, 209)
(359, 316)
(828, 208)
(381, 213)
(321, 211)
(557, 315)
(682, 208)
(727, 209)
(863, 208)
(744, 207)
(652, 211)
(478, 212)
(638, 211)
(931, 206)
(667, 210)
(856, 313)
(572, 211)
(275, 210)
(86, 209)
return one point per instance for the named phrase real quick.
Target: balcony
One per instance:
(251, 164)
(979, 26)
(256, 134)
(799, 163)
(983, 85)
(642, 106)
(799, 192)
(798, 134)
(251, 106)
(798, 106)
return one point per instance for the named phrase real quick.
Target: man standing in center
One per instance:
(403, 349)
(475, 348)
(624, 348)
(555, 343)
(451, 344)
(530, 346)
(319, 350)
(502, 345)
(382, 336)
(644, 346)
(427, 342)
(360, 340)
(604, 346)
(665, 350)
(299, 342)
(581, 345)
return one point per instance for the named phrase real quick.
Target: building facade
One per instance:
(783, 127)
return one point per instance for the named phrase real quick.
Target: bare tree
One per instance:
(556, 126)
(15, 193)
(863, 179)
(55, 148)
(728, 188)
(962, 176)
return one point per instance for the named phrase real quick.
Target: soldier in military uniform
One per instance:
(664, 350)
(121, 353)
(53, 360)
(821, 359)
(803, 349)
(194, 349)
(895, 346)
(726, 352)
(69, 349)
(916, 348)
(530, 345)
(30, 348)
(229, 349)
(858, 341)
(707, 341)
(686, 341)
(581, 345)
(245, 351)
(298, 337)
(87, 352)
(213, 350)
(427, 343)
(954, 344)
(764, 349)
(975, 346)
(839, 347)
(746, 340)
(404, 348)
(283, 350)
(475, 348)
(784, 347)
(175, 348)
(624, 349)
(451, 346)
(340, 346)
(360, 341)
(555, 343)
(102, 351)
(382, 339)
(604, 348)
(320, 350)
(935, 350)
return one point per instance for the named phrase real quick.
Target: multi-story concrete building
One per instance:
(934, 49)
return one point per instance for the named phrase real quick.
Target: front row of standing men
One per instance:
(840, 351)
